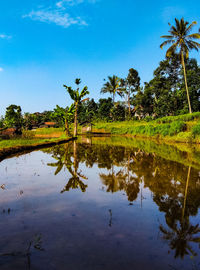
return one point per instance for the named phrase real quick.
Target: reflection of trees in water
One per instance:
(180, 237)
(63, 155)
(127, 178)
(174, 187)
(181, 233)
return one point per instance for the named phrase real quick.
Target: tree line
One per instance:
(174, 90)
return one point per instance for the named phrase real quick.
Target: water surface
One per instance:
(101, 204)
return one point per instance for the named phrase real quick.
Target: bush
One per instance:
(184, 117)
(148, 118)
(196, 130)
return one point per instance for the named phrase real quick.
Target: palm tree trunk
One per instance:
(75, 120)
(113, 98)
(67, 127)
(186, 86)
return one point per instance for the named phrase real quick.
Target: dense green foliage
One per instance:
(196, 130)
(13, 117)
(152, 130)
(165, 94)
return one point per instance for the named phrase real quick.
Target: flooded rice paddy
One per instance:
(101, 203)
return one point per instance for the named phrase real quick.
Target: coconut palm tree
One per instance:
(113, 86)
(77, 97)
(182, 41)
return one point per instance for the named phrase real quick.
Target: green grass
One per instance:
(183, 128)
(25, 142)
(47, 131)
(184, 117)
(28, 138)
(149, 129)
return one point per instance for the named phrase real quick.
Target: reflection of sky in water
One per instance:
(91, 230)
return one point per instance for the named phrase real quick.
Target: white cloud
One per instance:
(62, 3)
(58, 14)
(1, 69)
(5, 36)
(55, 16)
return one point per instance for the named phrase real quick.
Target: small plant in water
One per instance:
(35, 243)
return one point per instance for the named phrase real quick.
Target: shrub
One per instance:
(196, 130)
(184, 117)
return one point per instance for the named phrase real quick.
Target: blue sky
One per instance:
(47, 43)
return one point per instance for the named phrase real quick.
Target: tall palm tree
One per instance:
(112, 86)
(180, 39)
(77, 97)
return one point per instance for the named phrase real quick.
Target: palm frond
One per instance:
(77, 81)
(195, 36)
(83, 93)
(166, 42)
(171, 50)
(190, 27)
(167, 36)
(193, 45)
(70, 91)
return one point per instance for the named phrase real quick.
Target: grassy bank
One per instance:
(34, 138)
(8, 148)
(21, 142)
(183, 128)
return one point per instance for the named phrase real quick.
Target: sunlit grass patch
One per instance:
(26, 142)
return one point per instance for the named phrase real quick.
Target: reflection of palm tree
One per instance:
(186, 192)
(113, 181)
(74, 183)
(181, 232)
(181, 236)
(121, 181)
(132, 189)
(64, 160)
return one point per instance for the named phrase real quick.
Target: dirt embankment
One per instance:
(52, 135)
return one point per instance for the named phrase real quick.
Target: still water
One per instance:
(102, 203)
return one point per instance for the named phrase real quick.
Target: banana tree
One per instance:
(77, 97)
(66, 115)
